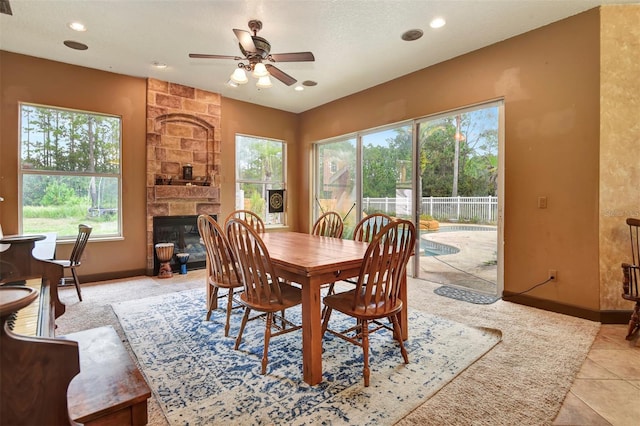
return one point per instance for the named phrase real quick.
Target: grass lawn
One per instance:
(68, 227)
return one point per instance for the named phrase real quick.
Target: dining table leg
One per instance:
(311, 333)
(404, 315)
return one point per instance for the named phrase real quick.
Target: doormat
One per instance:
(465, 295)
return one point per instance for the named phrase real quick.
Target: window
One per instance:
(69, 171)
(260, 166)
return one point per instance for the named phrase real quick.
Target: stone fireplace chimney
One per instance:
(183, 129)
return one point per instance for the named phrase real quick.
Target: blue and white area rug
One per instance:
(199, 379)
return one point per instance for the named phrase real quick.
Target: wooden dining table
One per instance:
(312, 261)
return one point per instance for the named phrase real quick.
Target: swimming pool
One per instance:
(432, 248)
(453, 228)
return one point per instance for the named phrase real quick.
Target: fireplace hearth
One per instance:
(182, 231)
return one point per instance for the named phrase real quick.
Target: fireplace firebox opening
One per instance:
(183, 232)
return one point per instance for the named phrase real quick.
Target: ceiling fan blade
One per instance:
(280, 75)
(204, 56)
(5, 7)
(293, 57)
(245, 39)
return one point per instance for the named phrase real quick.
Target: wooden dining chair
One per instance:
(248, 216)
(329, 224)
(369, 226)
(223, 273)
(631, 276)
(84, 231)
(264, 290)
(377, 291)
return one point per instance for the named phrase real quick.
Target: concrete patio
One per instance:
(474, 267)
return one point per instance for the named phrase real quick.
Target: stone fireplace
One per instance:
(183, 129)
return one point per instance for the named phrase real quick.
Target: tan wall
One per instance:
(253, 120)
(619, 145)
(29, 79)
(549, 79)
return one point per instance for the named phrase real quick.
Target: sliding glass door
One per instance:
(444, 173)
(459, 181)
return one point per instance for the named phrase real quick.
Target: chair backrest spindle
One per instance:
(631, 276)
(370, 225)
(221, 260)
(633, 270)
(328, 225)
(248, 216)
(384, 265)
(84, 231)
(258, 275)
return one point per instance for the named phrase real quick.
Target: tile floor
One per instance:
(606, 390)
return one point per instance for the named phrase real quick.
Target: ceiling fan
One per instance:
(256, 49)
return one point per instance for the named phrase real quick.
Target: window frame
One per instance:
(265, 215)
(22, 172)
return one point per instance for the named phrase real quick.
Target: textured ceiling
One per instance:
(357, 43)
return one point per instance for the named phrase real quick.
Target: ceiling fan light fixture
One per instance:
(255, 50)
(264, 82)
(259, 70)
(239, 76)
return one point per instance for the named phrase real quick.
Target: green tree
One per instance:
(260, 164)
(477, 154)
(387, 167)
(68, 142)
(57, 194)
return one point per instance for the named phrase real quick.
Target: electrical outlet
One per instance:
(542, 202)
(553, 275)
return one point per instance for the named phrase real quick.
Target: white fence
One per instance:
(460, 209)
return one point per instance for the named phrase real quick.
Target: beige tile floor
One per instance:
(606, 390)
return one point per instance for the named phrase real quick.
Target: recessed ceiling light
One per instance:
(159, 65)
(437, 23)
(412, 35)
(77, 26)
(299, 88)
(232, 83)
(75, 45)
